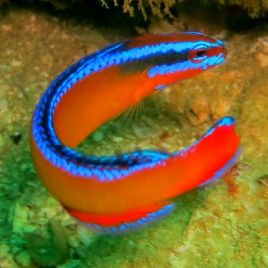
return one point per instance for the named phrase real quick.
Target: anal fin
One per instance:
(120, 222)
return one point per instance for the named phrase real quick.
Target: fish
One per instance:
(117, 193)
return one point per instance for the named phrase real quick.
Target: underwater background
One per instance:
(222, 225)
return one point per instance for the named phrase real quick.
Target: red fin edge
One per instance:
(109, 220)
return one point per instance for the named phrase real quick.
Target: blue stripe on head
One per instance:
(196, 56)
(204, 64)
(194, 32)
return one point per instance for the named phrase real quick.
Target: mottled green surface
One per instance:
(217, 226)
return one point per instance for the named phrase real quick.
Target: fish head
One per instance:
(205, 52)
(168, 58)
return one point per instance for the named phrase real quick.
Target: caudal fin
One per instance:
(224, 169)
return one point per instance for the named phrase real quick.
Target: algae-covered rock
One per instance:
(48, 249)
(158, 8)
(164, 7)
(23, 259)
(6, 258)
(73, 263)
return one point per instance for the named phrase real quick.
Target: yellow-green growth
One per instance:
(255, 8)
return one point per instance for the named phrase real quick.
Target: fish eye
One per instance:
(198, 55)
(201, 53)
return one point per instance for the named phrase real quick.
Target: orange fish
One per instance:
(121, 192)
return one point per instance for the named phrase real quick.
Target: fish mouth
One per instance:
(217, 59)
(221, 49)
(220, 43)
(224, 52)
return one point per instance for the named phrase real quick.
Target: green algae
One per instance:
(50, 249)
(209, 227)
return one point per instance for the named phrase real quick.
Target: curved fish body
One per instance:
(121, 192)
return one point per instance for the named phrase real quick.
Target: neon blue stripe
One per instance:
(184, 66)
